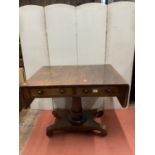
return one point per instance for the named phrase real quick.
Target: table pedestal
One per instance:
(76, 119)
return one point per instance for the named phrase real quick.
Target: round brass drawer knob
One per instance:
(86, 91)
(62, 91)
(40, 92)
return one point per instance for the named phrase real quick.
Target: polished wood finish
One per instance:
(55, 92)
(76, 82)
(83, 75)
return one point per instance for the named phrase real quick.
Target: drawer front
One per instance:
(97, 91)
(51, 92)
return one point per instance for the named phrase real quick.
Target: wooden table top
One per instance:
(76, 76)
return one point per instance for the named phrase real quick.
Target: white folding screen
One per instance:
(33, 38)
(61, 30)
(120, 37)
(34, 45)
(71, 32)
(92, 33)
(120, 40)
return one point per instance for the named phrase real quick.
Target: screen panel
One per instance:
(33, 38)
(60, 26)
(91, 33)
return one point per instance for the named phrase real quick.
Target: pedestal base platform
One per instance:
(84, 121)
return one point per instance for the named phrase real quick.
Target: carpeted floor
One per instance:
(119, 141)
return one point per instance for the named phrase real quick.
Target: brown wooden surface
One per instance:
(76, 81)
(76, 76)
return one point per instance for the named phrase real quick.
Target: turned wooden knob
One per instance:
(62, 91)
(40, 92)
(86, 91)
(108, 90)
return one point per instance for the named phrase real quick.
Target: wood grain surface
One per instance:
(76, 76)
(76, 81)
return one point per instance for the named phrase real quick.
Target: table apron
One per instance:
(121, 92)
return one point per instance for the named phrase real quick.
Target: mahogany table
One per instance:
(76, 82)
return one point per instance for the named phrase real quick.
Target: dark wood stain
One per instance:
(83, 75)
(76, 82)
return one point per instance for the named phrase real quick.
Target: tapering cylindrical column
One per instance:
(76, 116)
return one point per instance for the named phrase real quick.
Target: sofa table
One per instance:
(76, 82)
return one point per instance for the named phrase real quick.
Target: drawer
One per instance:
(51, 92)
(97, 91)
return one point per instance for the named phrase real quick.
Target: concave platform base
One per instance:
(76, 119)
